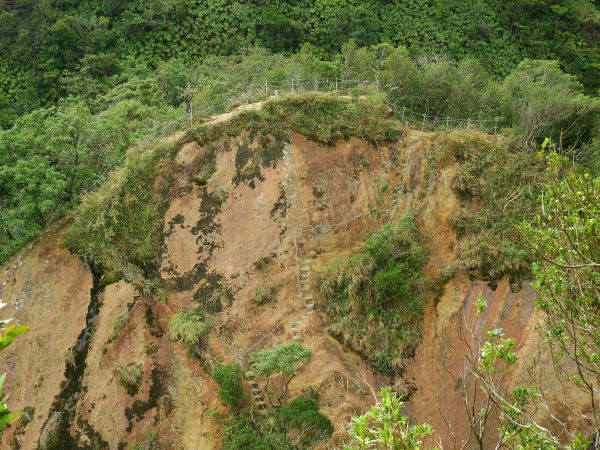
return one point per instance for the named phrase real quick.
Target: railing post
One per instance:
(336, 86)
(447, 122)
(495, 125)
(468, 124)
(403, 109)
(423, 124)
(316, 85)
(292, 85)
(266, 89)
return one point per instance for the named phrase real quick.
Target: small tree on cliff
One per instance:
(565, 239)
(283, 360)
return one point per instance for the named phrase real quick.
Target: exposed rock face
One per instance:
(260, 217)
(48, 289)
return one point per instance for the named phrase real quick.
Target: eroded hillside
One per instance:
(251, 209)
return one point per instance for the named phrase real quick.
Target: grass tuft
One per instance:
(189, 328)
(130, 377)
(265, 294)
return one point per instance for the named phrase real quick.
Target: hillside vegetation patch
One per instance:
(118, 228)
(325, 119)
(189, 328)
(373, 297)
(498, 188)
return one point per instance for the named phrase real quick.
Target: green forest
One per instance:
(57, 48)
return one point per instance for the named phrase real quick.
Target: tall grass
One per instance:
(373, 297)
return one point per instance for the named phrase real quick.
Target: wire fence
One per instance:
(273, 89)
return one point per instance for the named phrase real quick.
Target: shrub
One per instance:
(385, 427)
(229, 378)
(130, 377)
(189, 328)
(499, 187)
(302, 415)
(240, 433)
(263, 263)
(384, 362)
(210, 299)
(373, 297)
(265, 294)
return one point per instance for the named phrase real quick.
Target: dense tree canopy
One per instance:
(45, 42)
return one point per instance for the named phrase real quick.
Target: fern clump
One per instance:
(189, 328)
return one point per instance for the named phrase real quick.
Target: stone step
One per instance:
(308, 298)
(310, 306)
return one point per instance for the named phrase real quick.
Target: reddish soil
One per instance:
(307, 207)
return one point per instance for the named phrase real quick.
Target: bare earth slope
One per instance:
(271, 213)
